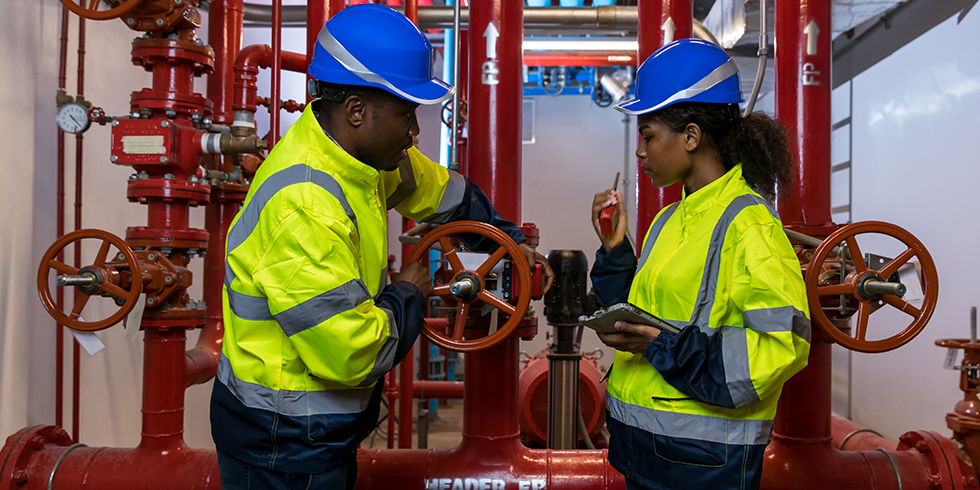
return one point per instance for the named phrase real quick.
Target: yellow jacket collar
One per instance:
(337, 161)
(707, 196)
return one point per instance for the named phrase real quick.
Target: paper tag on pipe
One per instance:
(909, 276)
(951, 357)
(88, 340)
(134, 319)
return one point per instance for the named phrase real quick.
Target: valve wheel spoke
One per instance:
(460, 326)
(492, 262)
(497, 303)
(451, 256)
(442, 290)
(893, 266)
(902, 305)
(114, 290)
(62, 267)
(76, 311)
(93, 5)
(836, 290)
(103, 254)
(861, 322)
(856, 255)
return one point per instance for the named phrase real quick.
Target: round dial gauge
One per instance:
(73, 118)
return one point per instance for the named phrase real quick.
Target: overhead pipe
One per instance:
(760, 73)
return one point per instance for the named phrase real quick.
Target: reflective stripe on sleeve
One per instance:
(322, 307)
(386, 355)
(779, 319)
(293, 403)
(690, 426)
(451, 199)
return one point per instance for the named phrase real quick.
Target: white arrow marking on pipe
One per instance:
(812, 33)
(491, 34)
(669, 29)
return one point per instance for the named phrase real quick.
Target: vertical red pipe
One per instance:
(803, 411)
(316, 17)
(225, 19)
(79, 147)
(163, 395)
(59, 363)
(803, 65)
(490, 392)
(276, 72)
(659, 22)
(495, 100)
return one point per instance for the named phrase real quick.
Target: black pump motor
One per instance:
(569, 295)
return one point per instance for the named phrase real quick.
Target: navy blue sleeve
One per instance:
(692, 362)
(407, 305)
(476, 206)
(612, 274)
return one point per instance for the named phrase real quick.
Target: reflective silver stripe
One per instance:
(452, 197)
(253, 308)
(709, 281)
(293, 403)
(383, 281)
(710, 80)
(386, 356)
(256, 308)
(356, 67)
(690, 426)
(735, 357)
(780, 319)
(655, 230)
(406, 187)
(322, 307)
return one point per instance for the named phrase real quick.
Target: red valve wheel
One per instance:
(97, 278)
(91, 11)
(853, 286)
(507, 247)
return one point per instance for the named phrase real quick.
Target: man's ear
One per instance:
(692, 137)
(355, 110)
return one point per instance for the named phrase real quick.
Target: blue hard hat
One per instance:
(372, 45)
(688, 70)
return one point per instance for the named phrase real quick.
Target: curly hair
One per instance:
(758, 141)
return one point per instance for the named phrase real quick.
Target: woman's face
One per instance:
(663, 153)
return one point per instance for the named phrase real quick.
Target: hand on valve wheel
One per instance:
(601, 201)
(417, 274)
(533, 257)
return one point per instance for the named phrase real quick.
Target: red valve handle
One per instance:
(92, 10)
(104, 285)
(507, 247)
(858, 341)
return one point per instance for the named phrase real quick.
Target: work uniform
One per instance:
(695, 410)
(310, 325)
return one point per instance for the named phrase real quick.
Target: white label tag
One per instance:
(143, 145)
(952, 358)
(88, 340)
(909, 276)
(134, 319)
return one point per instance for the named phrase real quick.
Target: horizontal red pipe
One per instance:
(247, 64)
(437, 389)
(570, 58)
(858, 438)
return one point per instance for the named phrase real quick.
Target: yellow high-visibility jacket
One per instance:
(310, 325)
(695, 411)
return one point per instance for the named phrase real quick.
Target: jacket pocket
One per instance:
(691, 439)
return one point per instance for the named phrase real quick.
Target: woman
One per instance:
(694, 410)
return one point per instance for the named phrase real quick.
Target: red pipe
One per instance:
(441, 390)
(59, 375)
(316, 17)
(391, 390)
(76, 380)
(247, 64)
(588, 58)
(225, 19)
(406, 375)
(659, 23)
(276, 72)
(849, 436)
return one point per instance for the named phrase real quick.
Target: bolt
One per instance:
(164, 160)
(165, 306)
(166, 251)
(192, 179)
(60, 434)
(207, 121)
(935, 481)
(170, 113)
(37, 442)
(19, 477)
(144, 175)
(165, 124)
(922, 447)
(196, 116)
(178, 2)
(150, 301)
(199, 42)
(168, 279)
(133, 178)
(209, 47)
(159, 22)
(120, 301)
(120, 257)
(115, 123)
(130, 21)
(971, 481)
(113, 159)
(134, 115)
(152, 256)
(130, 280)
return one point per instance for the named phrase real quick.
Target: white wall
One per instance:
(915, 164)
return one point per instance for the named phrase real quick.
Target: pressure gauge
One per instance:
(73, 118)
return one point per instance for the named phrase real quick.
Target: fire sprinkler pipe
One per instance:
(59, 376)
(79, 160)
(849, 436)
(658, 23)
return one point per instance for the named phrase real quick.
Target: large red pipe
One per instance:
(441, 390)
(225, 20)
(849, 436)
(659, 22)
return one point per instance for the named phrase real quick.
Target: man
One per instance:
(310, 326)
